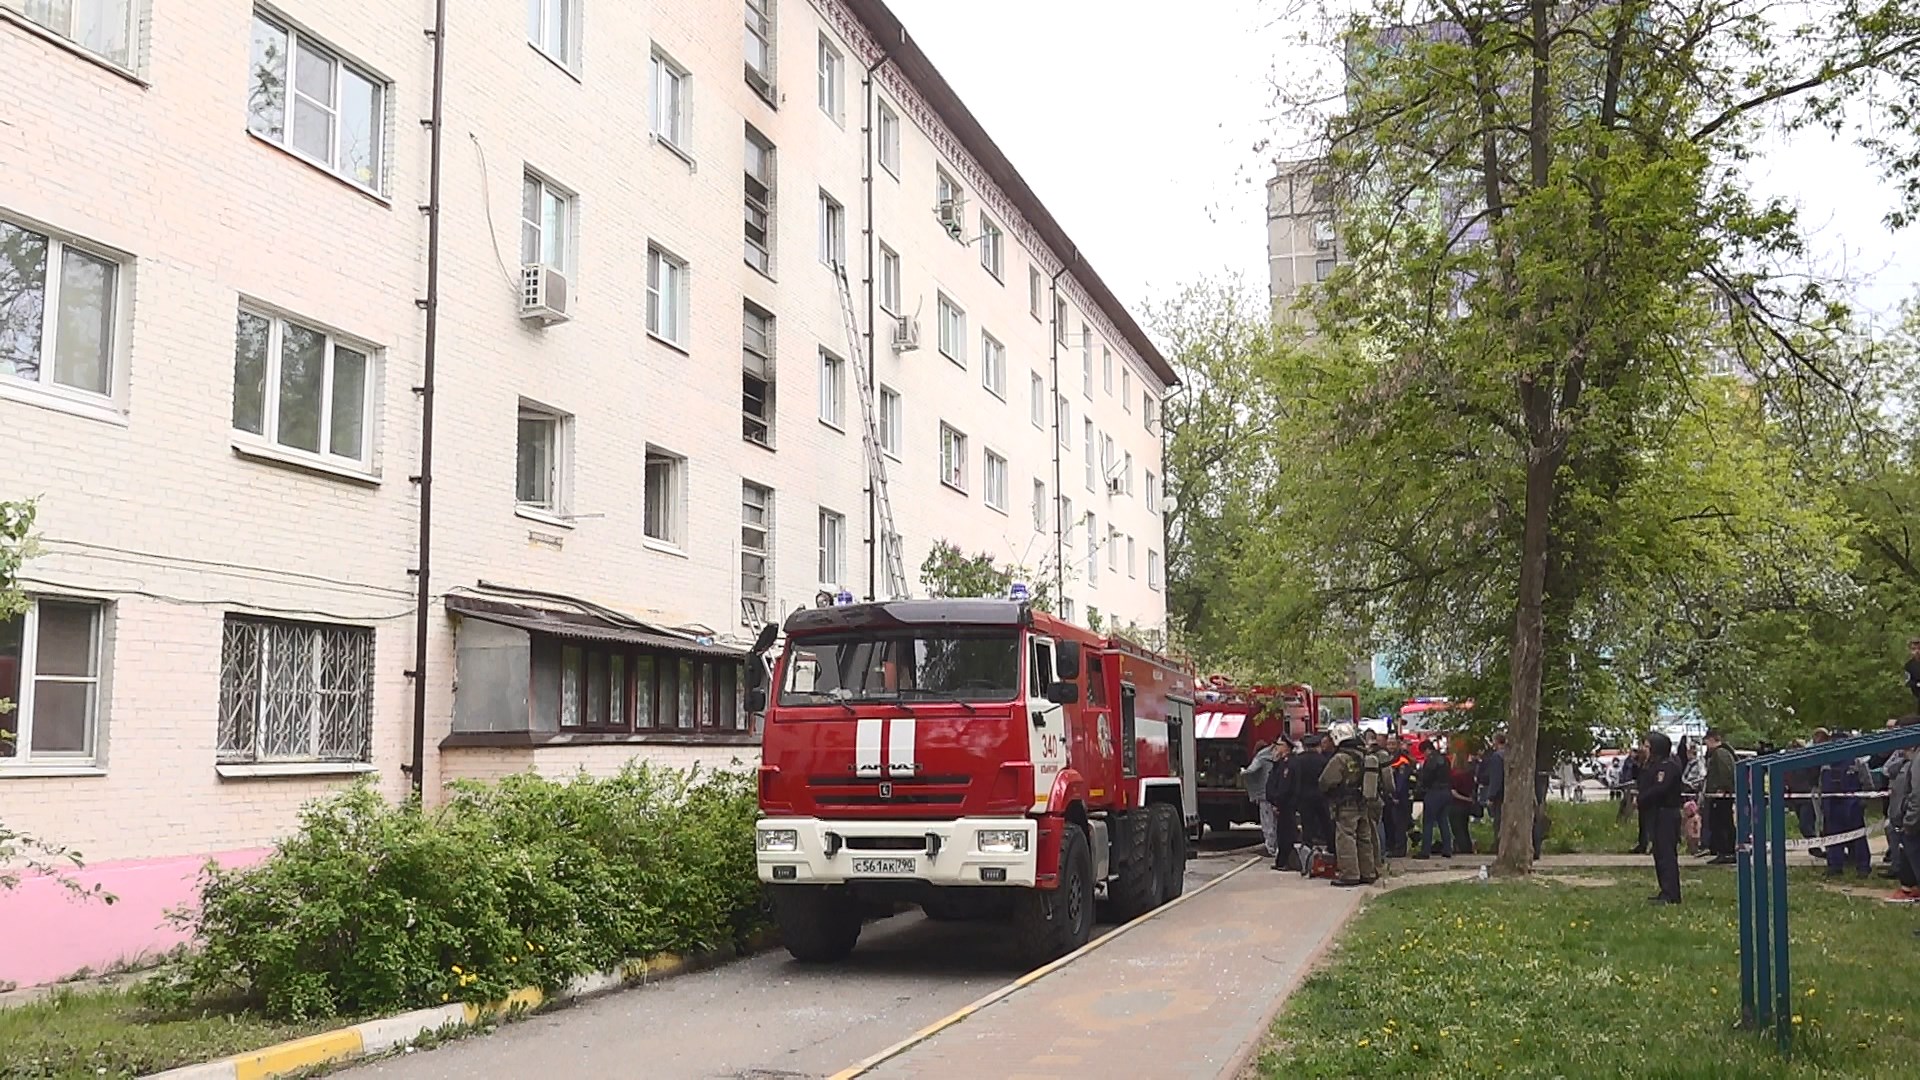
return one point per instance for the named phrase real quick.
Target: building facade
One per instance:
(649, 428)
(1303, 247)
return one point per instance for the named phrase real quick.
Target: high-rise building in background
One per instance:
(1303, 246)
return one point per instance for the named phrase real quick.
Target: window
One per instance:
(672, 116)
(1126, 472)
(1126, 390)
(993, 472)
(1037, 407)
(294, 691)
(339, 115)
(1035, 287)
(541, 475)
(1153, 569)
(1153, 493)
(833, 231)
(303, 389)
(756, 552)
(1060, 320)
(1130, 572)
(1066, 608)
(944, 189)
(1040, 506)
(666, 297)
(550, 28)
(595, 687)
(1113, 550)
(953, 332)
(993, 366)
(546, 223)
(990, 245)
(1087, 427)
(1093, 550)
(105, 28)
(953, 458)
(833, 389)
(760, 47)
(1106, 370)
(832, 64)
(892, 422)
(889, 280)
(759, 202)
(756, 377)
(1148, 407)
(72, 351)
(1323, 269)
(1106, 458)
(50, 671)
(889, 133)
(1086, 362)
(666, 498)
(1063, 417)
(833, 547)
(1067, 520)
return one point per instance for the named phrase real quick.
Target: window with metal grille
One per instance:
(756, 379)
(292, 691)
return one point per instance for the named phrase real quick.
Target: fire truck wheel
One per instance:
(1136, 888)
(1170, 850)
(1050, 923)
(818, 926)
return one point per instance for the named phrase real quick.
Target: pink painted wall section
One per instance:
(46, 933)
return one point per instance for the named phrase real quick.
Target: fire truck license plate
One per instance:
(883, 866)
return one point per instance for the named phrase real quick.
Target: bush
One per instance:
(373, 908)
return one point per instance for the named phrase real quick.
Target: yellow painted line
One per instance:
(299, 1054)
(528, 998)
(861, 1067)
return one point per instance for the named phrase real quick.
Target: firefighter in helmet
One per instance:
(1351, 786)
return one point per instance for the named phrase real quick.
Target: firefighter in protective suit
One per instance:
(1350, 786)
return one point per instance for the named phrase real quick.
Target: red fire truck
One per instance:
(1230, 722)
(979, 758)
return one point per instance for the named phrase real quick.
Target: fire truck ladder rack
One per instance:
(894, 567)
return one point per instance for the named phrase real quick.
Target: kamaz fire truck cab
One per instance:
(979, 758)
(1233, 722)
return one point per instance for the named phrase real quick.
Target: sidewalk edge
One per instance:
(378, 1036)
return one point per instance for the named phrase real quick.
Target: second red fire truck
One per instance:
(1231, 722)
(979, 758)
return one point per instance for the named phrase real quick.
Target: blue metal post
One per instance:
(1782, 986)
(1743, 871)
(1762, 896)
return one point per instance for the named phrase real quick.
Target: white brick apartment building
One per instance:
(213, 267)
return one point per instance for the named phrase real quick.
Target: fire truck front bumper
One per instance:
(964, 851)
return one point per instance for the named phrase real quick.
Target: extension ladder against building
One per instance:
(892, 563)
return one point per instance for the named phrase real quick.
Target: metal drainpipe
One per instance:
(873, 359)
(423, 600)
(1059, 493)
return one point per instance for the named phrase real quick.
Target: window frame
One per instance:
(135, 42)
(548, 189)
(832, 71)
(1063, 419)
(769, 40)
(952, 344)
(1086, 427)
(559, 464)
(1037, 406)
(833, 389)
(267, 439)
(570, 61)
(680, 693)
(673, 516)
(298, 36)
(1035, 291)
(365, 639)
(19, 753)
(993, 365)
(1086, 362)
(1153, 493)
(1093, 548)
(1061, 316)
(1148, 409)
(680, 138)
(992, 246)
(833, 231)
(768, 378)
(832, 527)
(1130, 558)
(1155, 570)
(764, 552)
(1040, 501)
(660, 260)
(889, 290)
(893, 419)
(766, 207)
(953, 457)
(1126, 387)
(1106, 370)
(887, 138)
(113, 321)
(994, 482)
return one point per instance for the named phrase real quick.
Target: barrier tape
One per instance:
(1818, 841)
(1801, 795)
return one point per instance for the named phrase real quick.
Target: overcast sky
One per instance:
(1139, 131)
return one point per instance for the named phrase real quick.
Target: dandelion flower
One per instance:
(456, 969)
(1812, 990)
(1796, 1018)
(1714, 990)
(1365, 1042)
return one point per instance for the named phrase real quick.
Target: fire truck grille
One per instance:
(893, 791)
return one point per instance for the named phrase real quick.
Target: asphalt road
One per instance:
(763, 1017)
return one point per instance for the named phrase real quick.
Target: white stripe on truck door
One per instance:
(902, 758)
(866, 747)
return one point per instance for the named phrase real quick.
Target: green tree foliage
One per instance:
(947, 571)
(1549, 235)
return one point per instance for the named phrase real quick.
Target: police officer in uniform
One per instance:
(1660, 795)
(1350, 787)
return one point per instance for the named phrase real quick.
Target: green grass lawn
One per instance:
(1578, 978)
(107, 1033)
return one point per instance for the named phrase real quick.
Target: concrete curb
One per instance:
(372, 1037)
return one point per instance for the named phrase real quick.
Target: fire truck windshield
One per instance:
(907, 665)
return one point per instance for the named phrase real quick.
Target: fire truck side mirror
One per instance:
(1066, 661)
(757, 699)
(768, 634)
(1064, 693)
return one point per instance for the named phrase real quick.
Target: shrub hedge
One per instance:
(373, 908)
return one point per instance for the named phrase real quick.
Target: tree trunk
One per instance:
(1523, 720)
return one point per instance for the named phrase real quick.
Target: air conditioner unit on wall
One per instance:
(906, 333)
(543, 293)
(953, 215)
(1323, 235)
(1113, 485)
